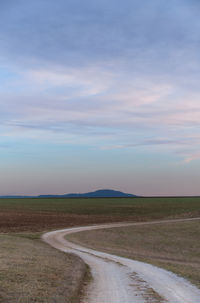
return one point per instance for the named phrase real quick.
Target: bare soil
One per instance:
(30, 221)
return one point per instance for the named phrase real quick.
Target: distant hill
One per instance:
(102, 193)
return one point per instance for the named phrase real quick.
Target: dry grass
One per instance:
(174, 246)
(32, 271)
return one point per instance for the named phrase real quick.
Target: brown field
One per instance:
(32, 271)
(32, 215)
(33, 221)
(173, 246)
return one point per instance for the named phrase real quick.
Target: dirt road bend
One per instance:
(121, 280)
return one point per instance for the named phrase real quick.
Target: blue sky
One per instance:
(100, 94)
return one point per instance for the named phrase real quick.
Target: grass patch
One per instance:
(173, 246)
(27, 235)
(157, 206)
(32, 271)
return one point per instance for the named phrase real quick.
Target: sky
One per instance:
(100, 94)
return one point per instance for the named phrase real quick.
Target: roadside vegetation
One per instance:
(18, 215)
(32, 271)
(173, 246)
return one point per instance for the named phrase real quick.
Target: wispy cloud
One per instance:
(96, 101)
(192, 157)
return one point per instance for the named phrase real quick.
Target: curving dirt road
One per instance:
(121, 280)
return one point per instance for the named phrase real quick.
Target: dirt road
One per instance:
(121, 280)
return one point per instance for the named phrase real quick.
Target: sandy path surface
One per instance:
(121, 280)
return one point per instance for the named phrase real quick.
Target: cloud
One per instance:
(94, 99)
(192, 157)
(86, 81)
(86, 71)
(176, 142)
(75, 34)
